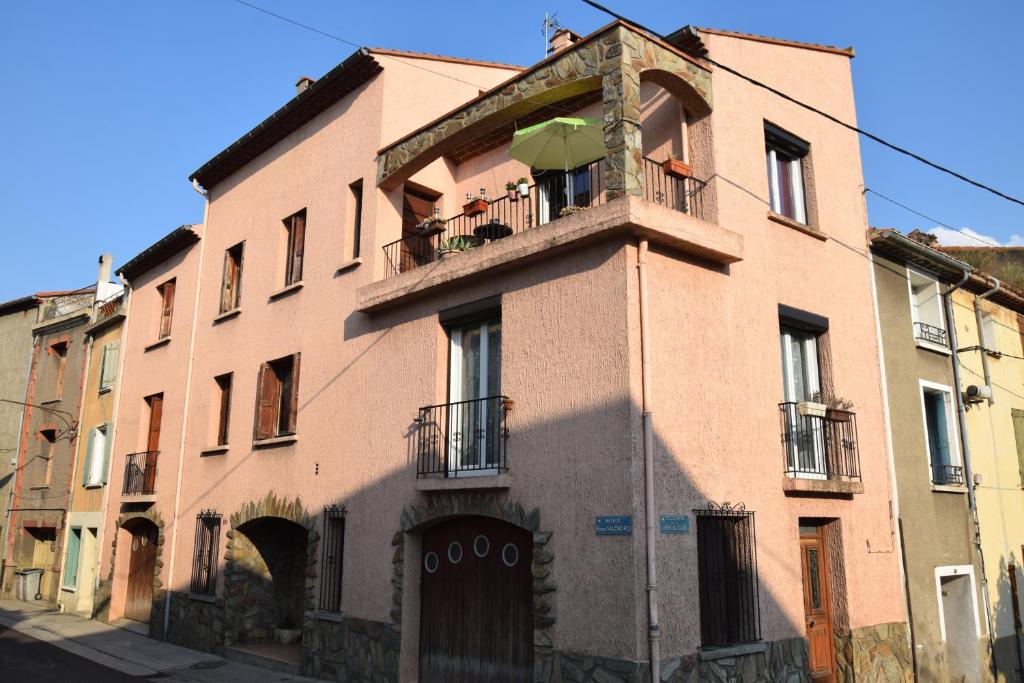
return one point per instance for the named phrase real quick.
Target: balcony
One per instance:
(463, 439)
(947, 475)
(67, 303)
(140, 474)
(930, 334)
(821, 454)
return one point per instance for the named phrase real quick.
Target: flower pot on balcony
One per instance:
(475, 207)
(676, 168)
(811, 409)
(524, 189)
(431, 228)
(508, 404)
(837, 415)
(513, 195)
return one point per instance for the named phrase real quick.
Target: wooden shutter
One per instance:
(108, 429)
(87, 465)
(298, 239)
(268, 398)
(168, 309)
(156, 409)
(108, 371)
(1020, 329)
(225, 410)
(293, 409)
(227, 292)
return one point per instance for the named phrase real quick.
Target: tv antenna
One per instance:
(550, 24)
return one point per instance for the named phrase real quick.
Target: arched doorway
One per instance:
(476, 602)
(143, 538)
(267, 581)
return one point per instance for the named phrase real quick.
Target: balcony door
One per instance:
(473, 421)
(801, 381)
(558, 189)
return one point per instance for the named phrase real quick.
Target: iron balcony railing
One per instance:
(947, 475)
(464, 438)
(140, 473)
(818, 447)
(110, 306)
(930, 333)
(65, 304)
(681, 194)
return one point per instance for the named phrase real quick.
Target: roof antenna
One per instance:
(550, 24)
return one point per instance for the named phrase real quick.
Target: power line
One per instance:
(828, 116)
(929, 218)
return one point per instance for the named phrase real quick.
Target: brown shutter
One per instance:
(156, 409)
(298, 245)
(294, 398)
(227, 294)
(1020, 329)
(225, 410)
(268, 391)
(168, 309)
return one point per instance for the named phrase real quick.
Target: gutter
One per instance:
(981, 338)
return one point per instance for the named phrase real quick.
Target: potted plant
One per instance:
(676, 168)
(839, 409)
(512, 189)
(813, 407)
(434, 225)
(476, 204)
(524, 187)
(508, 404)
(570, 210)
(454, 244)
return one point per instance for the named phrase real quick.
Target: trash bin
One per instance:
(27, 586)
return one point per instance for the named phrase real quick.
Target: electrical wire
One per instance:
(929, 218)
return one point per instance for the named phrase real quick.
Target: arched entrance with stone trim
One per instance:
(135, 587)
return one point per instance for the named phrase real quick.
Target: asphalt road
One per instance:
(23, 658)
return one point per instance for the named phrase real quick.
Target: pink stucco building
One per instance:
(569, 449)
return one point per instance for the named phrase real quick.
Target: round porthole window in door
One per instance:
(430, 562)
(455, 552)
(510, 555)
(481, 546)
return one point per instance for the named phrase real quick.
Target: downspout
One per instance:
(965, 449)
(981, 338)
(653, 630)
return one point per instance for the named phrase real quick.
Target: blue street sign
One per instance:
(619, 525)
(675, 524)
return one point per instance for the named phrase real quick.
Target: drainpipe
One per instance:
(965, 449)
(653, 630)
(981, 339)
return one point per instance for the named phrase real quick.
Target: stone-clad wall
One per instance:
(351, 650)
(875, 653)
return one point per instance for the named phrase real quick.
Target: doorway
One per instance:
(141, 565)
(818, 623)
(476, 603)
(960, 629)
(87, 572)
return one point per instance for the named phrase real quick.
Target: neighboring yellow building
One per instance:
(995, 429)
(80, 562)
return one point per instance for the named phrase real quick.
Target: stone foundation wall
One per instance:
(195, 623)
(350, 649)
(874, 653)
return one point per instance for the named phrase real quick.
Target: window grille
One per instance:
(727, 575)
(204, 559)
(332, 558)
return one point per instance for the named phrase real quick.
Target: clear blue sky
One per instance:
(108, 106)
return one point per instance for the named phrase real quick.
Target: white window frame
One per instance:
(797, 181)
(915, 318)
(956, 570)
(952, 426)
(455, 465)
(789, 394)
(96, 458)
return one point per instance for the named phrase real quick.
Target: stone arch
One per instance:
(680, 87)
(110, 594)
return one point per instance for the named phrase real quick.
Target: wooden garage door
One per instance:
(476, 610)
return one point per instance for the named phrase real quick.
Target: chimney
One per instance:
(302, 85)
(562, 39)
(103, 276)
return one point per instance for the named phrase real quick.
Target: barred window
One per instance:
(204, 560)
(727, 575)
(332, 558)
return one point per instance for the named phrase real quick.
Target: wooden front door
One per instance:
(141, 564)
(476, 603)
(417, 206)
(817, 603)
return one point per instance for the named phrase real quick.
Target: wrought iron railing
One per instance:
(947, 475)
(110, 306)
(332, 549)
(65, 304)
(727, 575)
(681, 194)
(463, 438)
(930, 333)
(817, 447)
(140, 473)
(205, 552)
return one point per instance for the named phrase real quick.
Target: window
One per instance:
(44, 466)
(59, 354)
(727, 576)
(224, 407)
(1018, 434)
(166, 291)
(332, 558)
(988, 332)
(277, 396)
(926, 308)
(204, 557)
(785, 155)
(108, 366)
(806, 377)
(97, 456)
(355, 191)
(943, 455)
(231, 287)
(69, 578)
(558, 189)
(474, 396)
(295, 226)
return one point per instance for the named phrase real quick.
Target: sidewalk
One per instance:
(128, 652)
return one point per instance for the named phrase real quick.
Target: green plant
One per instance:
(510, 186)
(456, 243)
(569, 210)
(522, 181)
(832, 402)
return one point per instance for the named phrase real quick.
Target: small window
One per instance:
(332, 558)
(785, 156)
(97, 456)
(355, 191)
(166, 291)
(108, 366)
(295, 227)
(223, 407)
(1018, 434)
(69, 578)
(277, 396)
(44, 461)
(988, 332)
(727, 576)
(943, 455)
(926, 308)
(59, 357)
(231, 286)
(204, 559)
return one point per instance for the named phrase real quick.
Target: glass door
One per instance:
(474, 411)
(805, 440)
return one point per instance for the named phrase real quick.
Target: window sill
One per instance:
(796, 225)
(214, 450)
(329, 616)
(203, 597)
(285, 291)
(349, 265)
(39, 488)
(49, 401)
(106, 390)
(138, 497)
(710, 654)
(935, 348)
(495, 481)
(157, 344)
(92, 486)
(947, 488)
(822, 487)
(68, 589)
(283, 440)
(226, 315)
